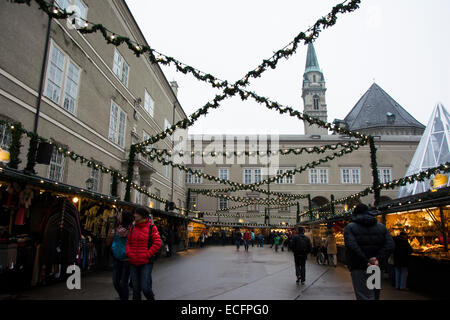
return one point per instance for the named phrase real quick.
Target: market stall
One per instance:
(45, 226)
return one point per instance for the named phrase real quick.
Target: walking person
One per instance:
(367, 243)
(253, 238)
(330, 244)
(261, 240)
(237, 239)
(247, 239)
(301, 247)
(142, 245)
(283, 241)
(121, 267)
(272, 239)
(402, 252)
(276, 241)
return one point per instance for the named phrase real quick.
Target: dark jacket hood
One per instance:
(365, 219)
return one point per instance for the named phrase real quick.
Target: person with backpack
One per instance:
(121, 267)
(237, 239)
(301, 246)
(143, 247)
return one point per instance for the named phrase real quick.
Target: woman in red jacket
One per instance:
(247, 238)
(140, 249)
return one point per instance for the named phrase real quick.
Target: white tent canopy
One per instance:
(432, 151)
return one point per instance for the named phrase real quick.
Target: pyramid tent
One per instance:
(432, 151)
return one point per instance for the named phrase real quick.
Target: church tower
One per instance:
(313, 93)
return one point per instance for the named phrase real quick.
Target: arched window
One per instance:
(316, 102)
(314, 78)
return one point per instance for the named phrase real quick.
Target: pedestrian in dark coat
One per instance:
(301, 247)
(367, 243)
(401, 259)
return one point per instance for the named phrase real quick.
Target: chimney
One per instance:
(174, 86)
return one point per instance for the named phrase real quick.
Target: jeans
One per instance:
(238, 244)
(400, 277)
(246, 245)
(121, 278)
(362, 292)
(300, 267)
(331, 261)
(141, 276)
(276, 247)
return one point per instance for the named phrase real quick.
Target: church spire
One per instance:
(313, 93)
(312, 64)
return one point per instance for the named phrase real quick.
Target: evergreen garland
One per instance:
(14, 148)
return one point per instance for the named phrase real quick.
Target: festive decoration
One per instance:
(241, 186)
(374, 166)
(14, 149)
(283, 196)
(421, 176)
(113, 38)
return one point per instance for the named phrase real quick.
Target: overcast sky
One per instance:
(402, 45)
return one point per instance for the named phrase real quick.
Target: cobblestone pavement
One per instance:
(223, 273)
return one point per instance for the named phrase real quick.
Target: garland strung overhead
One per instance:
(420, 176)
(281, 195)
(241, 186)
(283, 151)
(16, 128)
(111, 37)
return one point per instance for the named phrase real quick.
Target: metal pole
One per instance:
(33, 141)
(298, 212)
(44, 67)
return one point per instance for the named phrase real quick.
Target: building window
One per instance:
(166, 124)
(95, 176)
(137, 197)
(252, 176)
(384, 175)
(120, 68)
(286, 179)
(223, 174)
(351, 175)
(254, 207)
(316, 102)
(247, 176)
(194, 179)
(318, 176)
(5, 137)
(148, 148)
(65, 4)
(314, 78)
(166, 171)
(62, 81)
(180, 178)
(158, 194)
(285, 209)
(223, 204)
(149, 104)
(117, 121)
(56, 167)
(258, 177)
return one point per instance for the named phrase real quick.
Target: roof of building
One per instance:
(376, 108)
(312, 64)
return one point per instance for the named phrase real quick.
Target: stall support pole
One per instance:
(298, 212)
(444, 229)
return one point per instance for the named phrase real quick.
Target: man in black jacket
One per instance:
(301, 246)
(367, 243)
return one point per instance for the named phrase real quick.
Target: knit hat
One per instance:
(360, 208)
(142, 211)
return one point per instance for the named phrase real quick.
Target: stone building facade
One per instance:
(396, 133)
(97, 99)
